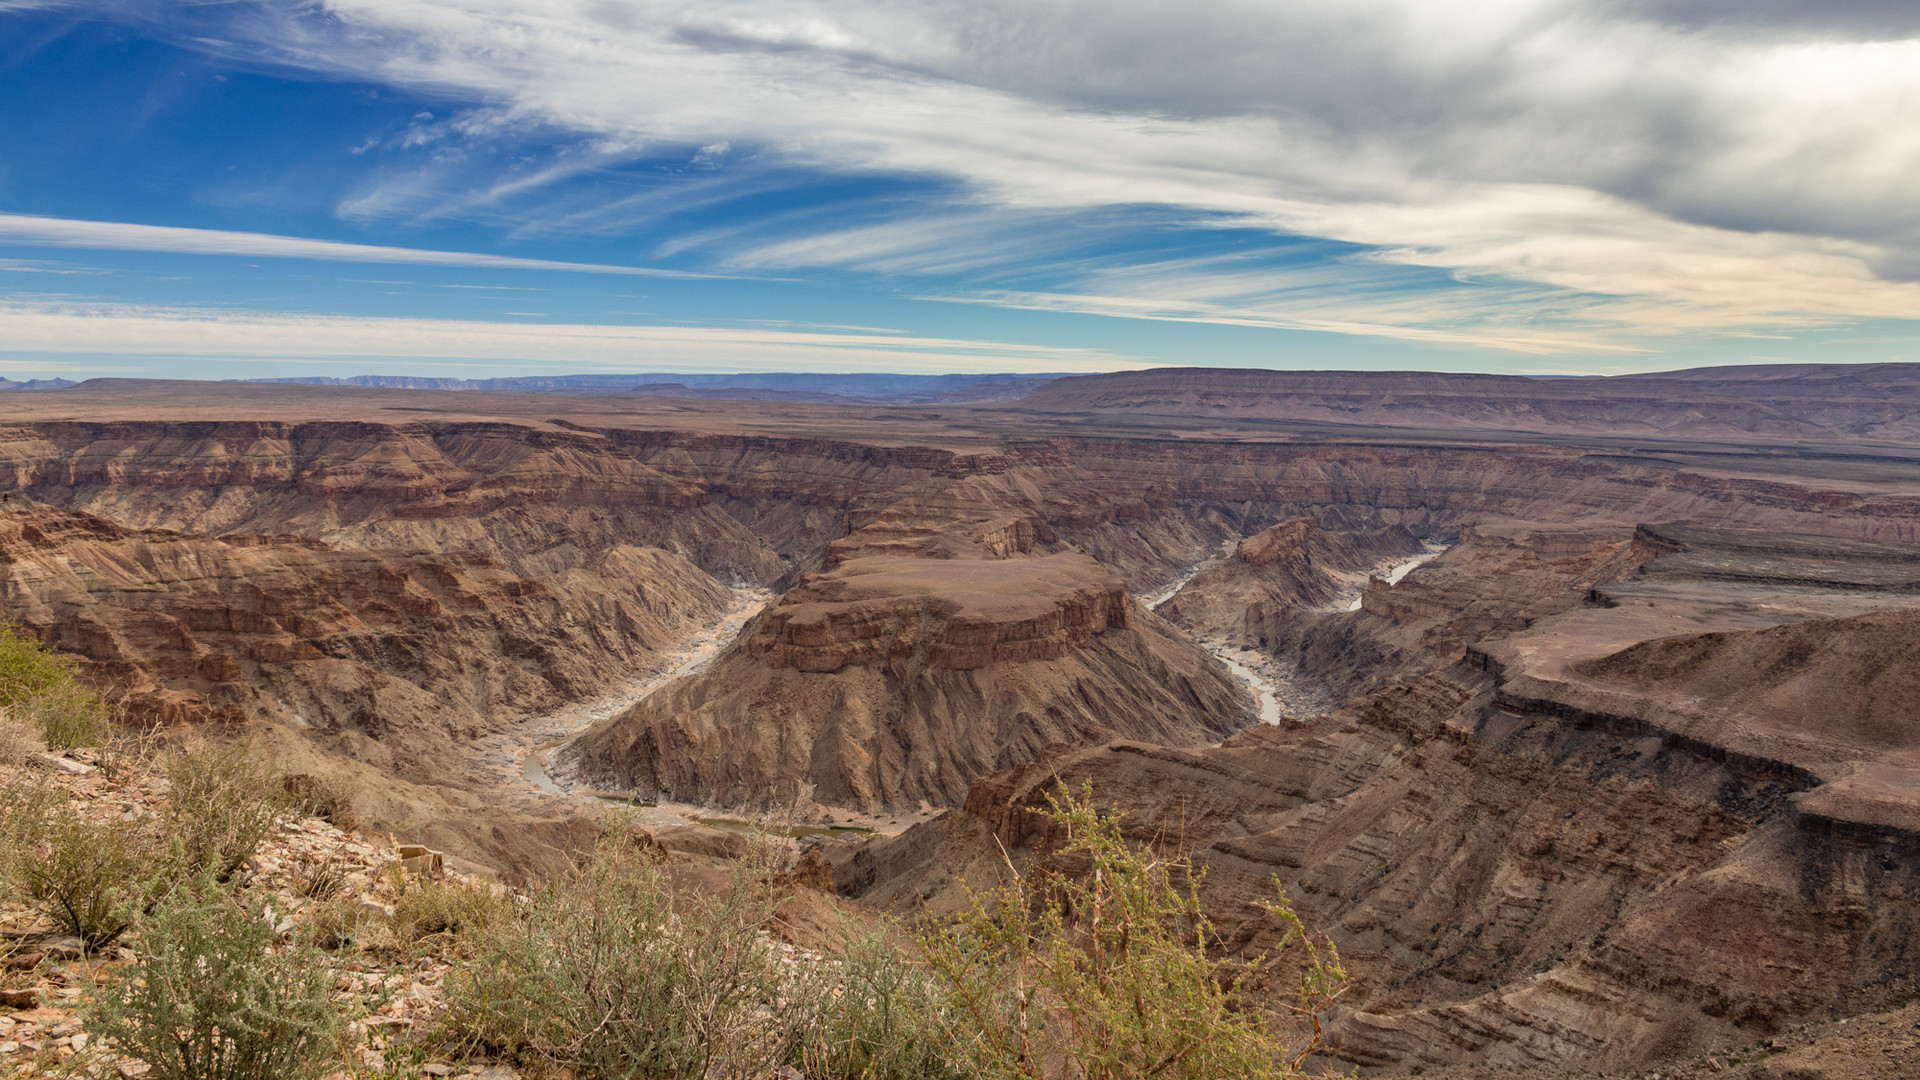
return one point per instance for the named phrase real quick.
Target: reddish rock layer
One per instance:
(379, 666)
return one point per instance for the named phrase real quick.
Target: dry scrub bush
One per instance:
(93, 874)
(1106, 974)
(20, 739)
(339, 924)
(872, 1014)
(444, 914)
(210, 998)
(41, 687)
(318, 879)
(92, 878)
(222, 805)
(610, 974)
(315, 797)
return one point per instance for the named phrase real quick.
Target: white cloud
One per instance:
(133, 331)
(120, 236)
(1629, 166)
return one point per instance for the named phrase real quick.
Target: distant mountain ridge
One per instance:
(36, 384)
(801, 386)
(1798, 402)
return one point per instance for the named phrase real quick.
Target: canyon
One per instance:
(1620, 772)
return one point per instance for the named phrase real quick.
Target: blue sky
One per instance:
(234, 188)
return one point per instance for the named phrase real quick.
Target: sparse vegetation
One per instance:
(91, 878)
(611, 974)
(443, 913)
(40, 686)
(212, 998)
(339, 923)
(320, 798)
(875, 1017)
(1099, 975)
(20, 738)
(221, 805)
(1108, 973)
(319, 879)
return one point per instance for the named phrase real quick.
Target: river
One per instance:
(556, 728)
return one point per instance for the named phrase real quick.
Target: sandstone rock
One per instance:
(66, 764)
(1516, 891)
(894, 680)
(1290, 566)
(419, 859)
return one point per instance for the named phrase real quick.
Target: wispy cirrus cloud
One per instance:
(122, 236)
(1646, 168)
(79, 327)
(1529, 175)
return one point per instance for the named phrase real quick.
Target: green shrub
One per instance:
(42, 686)
(1102, 974)
(20, 738)
(606, 974)
(27, 669)
(70, 716)
(91, 878)
(210, 999)
(222, 804)
(877, 1017)
(1106, 973)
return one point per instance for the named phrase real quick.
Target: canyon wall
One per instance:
(1783, 402)
(1509, 889)
(892, 683)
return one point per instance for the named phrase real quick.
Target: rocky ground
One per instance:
(394, 995)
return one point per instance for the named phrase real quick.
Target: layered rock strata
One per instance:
(1293, 565)
(891, 683)
(1496, 579)
(1593, 842)
(1509, 890)
(376, 667)
(1807, 401)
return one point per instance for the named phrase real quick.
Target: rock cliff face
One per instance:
(195, 628)
(891, 683)
(536, 502)
(1293, 566)
(958, 614)
(1594, 841)
(1520, 890)
(1496, 579)
(378, 665)
(540, 500)
(1561, 825)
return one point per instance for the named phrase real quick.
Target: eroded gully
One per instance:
(1279, 693)
(528, 752)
